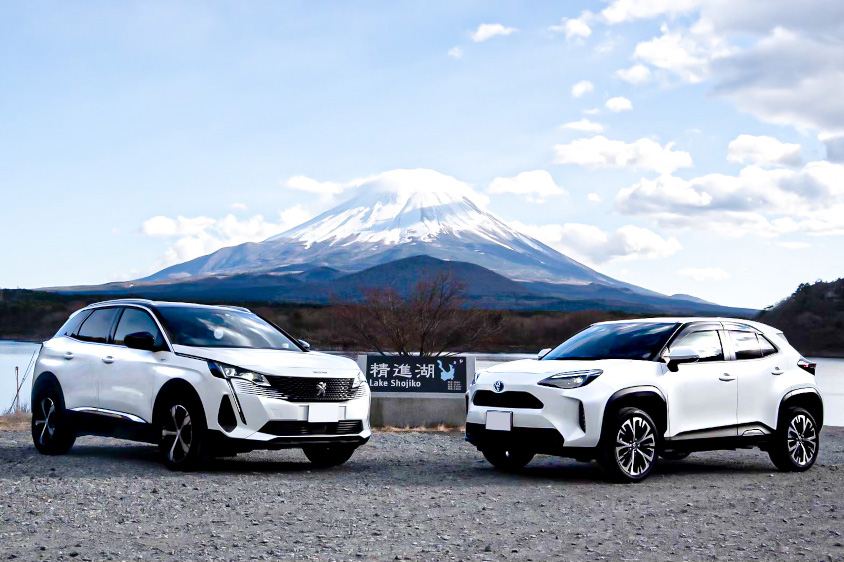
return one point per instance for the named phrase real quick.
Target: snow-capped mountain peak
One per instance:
(407, 206)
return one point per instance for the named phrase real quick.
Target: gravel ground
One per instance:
(427, 496)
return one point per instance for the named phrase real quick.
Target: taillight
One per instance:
(807, 366)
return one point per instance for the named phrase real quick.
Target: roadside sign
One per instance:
(407, 373)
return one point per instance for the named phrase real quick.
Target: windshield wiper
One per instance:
(577, 358)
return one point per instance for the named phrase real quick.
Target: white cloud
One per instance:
(582, 88)
(487, 31)
(620, 11)
(636, 74)
(584, 125)
(239, 206)
(778, 60)
(593, 198)
(592, 111)
(764, 151)
(195, 237)
(304, 183)
(456, 52)
(834, 147)
(601, 152)
(618, 103)
(577, 28)
(765, 202)
(705, 273)
(589, 244)
(536, 185)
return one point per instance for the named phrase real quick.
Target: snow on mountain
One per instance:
(396, 215)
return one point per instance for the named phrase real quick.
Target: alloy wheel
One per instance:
(802, 440)
(44, 419)
(635, 446)
(177, 434)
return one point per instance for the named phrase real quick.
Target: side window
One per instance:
(746, 345)
(767, 347)
(96, 327)
(134, 321)
(706, 343)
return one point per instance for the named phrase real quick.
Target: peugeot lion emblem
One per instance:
(498, 386)
(320, 388)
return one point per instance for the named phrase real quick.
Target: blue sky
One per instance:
(704, 155)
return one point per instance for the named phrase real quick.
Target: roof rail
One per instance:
(125, 301)
(240, 308)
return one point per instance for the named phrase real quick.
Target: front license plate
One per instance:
(323, 413)
(499, 421)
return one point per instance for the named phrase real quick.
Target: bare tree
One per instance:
(432, 319)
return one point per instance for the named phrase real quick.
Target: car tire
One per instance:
(182, 432)
(52, 431)
(674, 455)
(326, 456)
(628, 450)
(508, 459)
(796, 442)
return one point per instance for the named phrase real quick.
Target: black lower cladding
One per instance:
(508, 399)
(226, 417)
(303, 428)
(547, 441)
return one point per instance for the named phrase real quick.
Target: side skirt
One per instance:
(111, 424)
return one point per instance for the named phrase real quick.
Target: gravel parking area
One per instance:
(411, 496)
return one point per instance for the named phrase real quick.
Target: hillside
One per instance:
(812, 318)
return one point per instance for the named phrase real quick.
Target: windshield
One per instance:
(218, 327)
(628, 340)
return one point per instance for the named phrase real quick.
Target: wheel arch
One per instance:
(807, 398)
(174, 387)
(45, 380)
(647, 398)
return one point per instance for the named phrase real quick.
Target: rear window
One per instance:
(73, 323)
(746, 345)
(97, 326)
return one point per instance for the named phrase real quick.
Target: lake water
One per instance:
(830, 376)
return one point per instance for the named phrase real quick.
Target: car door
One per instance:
(702, 396)
(126, 380)
(81, 356)
(758, 363)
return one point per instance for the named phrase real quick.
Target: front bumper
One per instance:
(544, 441)
(266, 422)
(564, 418)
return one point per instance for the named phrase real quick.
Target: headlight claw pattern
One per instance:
(223, 371)
(571, 379)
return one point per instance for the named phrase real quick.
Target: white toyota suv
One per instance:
(626, 392)
(196, 380)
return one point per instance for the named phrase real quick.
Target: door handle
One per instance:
(108, 360)
(777, 371)
(68, 355)
(726, 377)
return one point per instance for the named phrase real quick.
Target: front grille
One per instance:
(302, 389)
(509, 399)
(295, 428)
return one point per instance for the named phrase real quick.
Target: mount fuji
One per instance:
(398, 226)
(400, 214)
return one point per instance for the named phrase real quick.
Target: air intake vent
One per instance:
(303, 428)
(510, 399)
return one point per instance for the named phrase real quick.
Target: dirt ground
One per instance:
(411, 495)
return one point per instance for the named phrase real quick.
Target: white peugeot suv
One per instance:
(196, 380)
(626, 392)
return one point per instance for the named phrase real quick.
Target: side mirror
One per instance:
(679, 356)
(305, 344)
(543, 353)
(140, 340)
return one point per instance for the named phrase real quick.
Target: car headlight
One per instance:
(477, 377)
(571, 379)
(223, 371)
(359, 380)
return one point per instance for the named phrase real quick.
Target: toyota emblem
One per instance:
(321, 387)
(498, 386)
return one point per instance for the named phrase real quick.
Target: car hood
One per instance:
(532, 370)
(276, 362)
